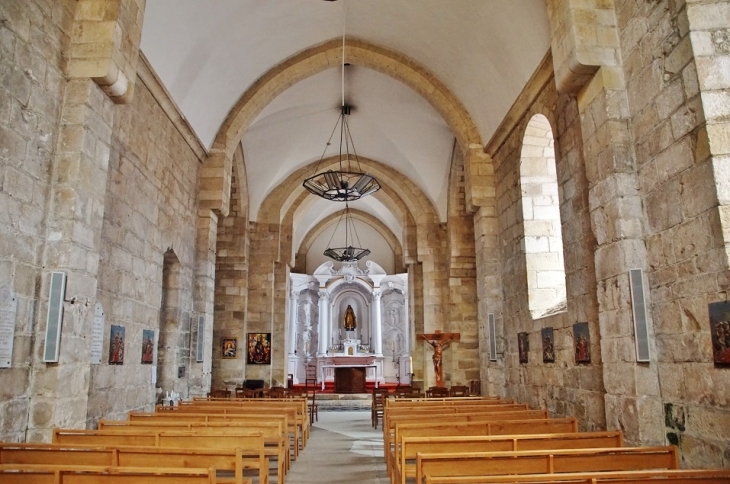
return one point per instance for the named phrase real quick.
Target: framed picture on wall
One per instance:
(548, 345)
(523, 345)
(582, 342)
(229, 347)
(148, 346)
(116, 345)
(259, 348)
(720, 332)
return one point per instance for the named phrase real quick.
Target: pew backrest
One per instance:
(545, 462)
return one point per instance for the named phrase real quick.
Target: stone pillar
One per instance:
(292, 326)
(410, 333)
(204, 297)
(324, 323)
(60, 391)
(590, 66)
(377, 324)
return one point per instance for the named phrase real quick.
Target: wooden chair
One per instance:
(458, 391)
(278, 392)
(380, 395)
(312, 404)
(219, 393)
(437, 392)
(475, 387)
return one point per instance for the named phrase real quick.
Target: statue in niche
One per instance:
(350, 320)
(394, 316)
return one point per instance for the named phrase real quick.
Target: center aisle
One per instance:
(343, 448)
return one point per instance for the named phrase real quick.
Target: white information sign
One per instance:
(8, 313)
(97, 335)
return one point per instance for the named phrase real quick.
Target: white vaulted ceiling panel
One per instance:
(207, 53)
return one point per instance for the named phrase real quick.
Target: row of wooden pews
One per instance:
(489, 440)
(200, 441)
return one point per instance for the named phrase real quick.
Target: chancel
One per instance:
(362, 324)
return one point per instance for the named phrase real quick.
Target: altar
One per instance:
(350, 373)
(348, 328)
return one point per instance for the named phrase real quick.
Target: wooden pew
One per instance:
(250, 443)
(44, 474)
(442, 400)
(426, 412)
(391, 421)
(298, 403)
(411, 442)
(276, 443)
(136, 457)
(545, 461)
(299, 425)
(672, 476)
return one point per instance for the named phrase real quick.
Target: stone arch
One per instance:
(407, 202)
(290, 193)
(323, 224)
(215, 175)
(542, 238)
(329, 54)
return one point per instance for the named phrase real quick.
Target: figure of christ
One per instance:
(439, 341)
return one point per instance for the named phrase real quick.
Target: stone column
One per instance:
(590, 66)
(409, 330)
(323, 323)
(293, 310)
(377, 324)
(204, 296)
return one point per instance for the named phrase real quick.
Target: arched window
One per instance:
(543, 241)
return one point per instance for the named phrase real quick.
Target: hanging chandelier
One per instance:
(347, 253)
(349, 182)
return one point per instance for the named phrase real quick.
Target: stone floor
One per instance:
(343, 448)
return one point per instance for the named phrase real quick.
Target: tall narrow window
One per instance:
(543, 241)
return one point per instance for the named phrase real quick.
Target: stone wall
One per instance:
(33, 34)
(565, 387)
(687, 260)
(150, 210)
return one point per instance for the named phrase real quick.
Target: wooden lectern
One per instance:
(438, 341)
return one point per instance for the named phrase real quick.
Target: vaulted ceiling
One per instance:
(209, 53)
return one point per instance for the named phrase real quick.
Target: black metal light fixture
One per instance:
(349, 182)
(347, 253)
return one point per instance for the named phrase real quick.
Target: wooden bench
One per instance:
(483, 416)
(298, 403)
(672, 476)
(137, 457)
(250, 443)
(276, 444)
(410, 442)
(299, 425)
(45, 474)
(545, 462)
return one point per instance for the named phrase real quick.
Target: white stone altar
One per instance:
(380, 342)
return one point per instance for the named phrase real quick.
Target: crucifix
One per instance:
(438, 341)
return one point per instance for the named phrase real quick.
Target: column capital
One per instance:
(294, 295)
(323, 294)
(377, 294)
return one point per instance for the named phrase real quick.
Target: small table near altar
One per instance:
(333, 366)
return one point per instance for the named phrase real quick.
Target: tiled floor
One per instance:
(343, 448)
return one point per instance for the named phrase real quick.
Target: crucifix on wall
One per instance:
(438, 341)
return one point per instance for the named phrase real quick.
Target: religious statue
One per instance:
(439, 341)
(350, 321)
